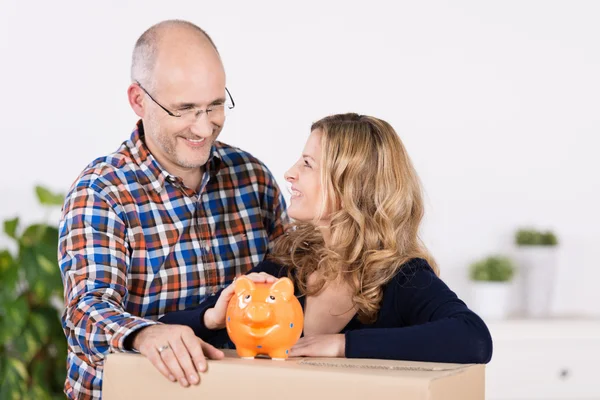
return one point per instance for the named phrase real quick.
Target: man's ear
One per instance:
(284, 287)
(243, 284)
(135, 95)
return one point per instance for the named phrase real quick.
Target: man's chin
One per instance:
(189, 164)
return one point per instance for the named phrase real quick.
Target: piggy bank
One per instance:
(264, 318)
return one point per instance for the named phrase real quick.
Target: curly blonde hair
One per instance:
(373, 188)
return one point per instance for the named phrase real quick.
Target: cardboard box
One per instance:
(130, 376)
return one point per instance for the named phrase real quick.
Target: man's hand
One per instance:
(214, 318)
(175, 351)
(320, 346)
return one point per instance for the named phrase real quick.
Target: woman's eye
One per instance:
(306, 164)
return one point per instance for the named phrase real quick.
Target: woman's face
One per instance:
(305, 178)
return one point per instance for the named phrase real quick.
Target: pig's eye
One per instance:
(247, 298)
(271, 299)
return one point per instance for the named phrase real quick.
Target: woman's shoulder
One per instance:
(415, 271)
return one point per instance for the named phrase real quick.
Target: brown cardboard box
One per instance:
(129, 376)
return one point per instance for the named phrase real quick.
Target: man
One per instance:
(170, 218)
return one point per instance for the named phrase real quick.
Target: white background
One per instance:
(498, 104)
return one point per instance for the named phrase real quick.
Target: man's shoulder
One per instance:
(236, 158)
(113, 170)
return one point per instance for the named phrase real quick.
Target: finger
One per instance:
(227, 294)
(255, 277)
(154, 356)
(212, 352)
(268, 278)
(170, 359)
(261, 277)
(298, 352)
(302, 341)
(193, 345)
(185, 361)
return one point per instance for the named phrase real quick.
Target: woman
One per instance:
(368, 286)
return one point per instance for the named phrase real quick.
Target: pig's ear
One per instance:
(284, 287)
(243, 284)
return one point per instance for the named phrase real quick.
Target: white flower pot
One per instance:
(490, 300)
(537, 265)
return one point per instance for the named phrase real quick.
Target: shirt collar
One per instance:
(155, 175)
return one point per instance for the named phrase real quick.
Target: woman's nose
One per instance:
(290, 175)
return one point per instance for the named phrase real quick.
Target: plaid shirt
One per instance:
(135, 243)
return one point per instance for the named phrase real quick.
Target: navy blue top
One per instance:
(420, 319)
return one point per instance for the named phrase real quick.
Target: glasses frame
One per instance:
(172, 114)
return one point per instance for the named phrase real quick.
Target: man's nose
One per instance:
(202, 126)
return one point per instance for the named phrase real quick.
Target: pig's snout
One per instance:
(258, 314)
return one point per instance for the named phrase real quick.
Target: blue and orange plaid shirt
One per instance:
(135, 243)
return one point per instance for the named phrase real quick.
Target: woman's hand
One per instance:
(214, 318)
(320, 346)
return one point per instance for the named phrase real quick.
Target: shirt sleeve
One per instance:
(274, 209)
(436, 325)
(93, 258)
(194, 317)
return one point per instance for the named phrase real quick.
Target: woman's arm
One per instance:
(434, 324)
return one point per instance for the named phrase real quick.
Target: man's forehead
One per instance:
(190, 85)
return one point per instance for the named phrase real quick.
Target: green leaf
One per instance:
(6, 262)
(51, 318)
(14, 381)
(9, 276)
(39, 327)
(47, 266)
(38, 392)
(14, 320)
(48, 198)
(10, 227)
(38, 258)
(27, 345)
(492, 269)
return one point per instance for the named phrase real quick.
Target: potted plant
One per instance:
(491, 286)
(33, 347)
(536, 256)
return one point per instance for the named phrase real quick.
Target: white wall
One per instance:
(497, 102)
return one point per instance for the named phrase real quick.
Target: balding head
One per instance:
(163, 37)
(178, 63)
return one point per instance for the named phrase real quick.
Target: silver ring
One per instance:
(163, 348)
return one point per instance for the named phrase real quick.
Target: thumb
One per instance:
(226, 295)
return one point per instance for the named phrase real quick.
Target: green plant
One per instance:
(33, 347)
(532, 237)
(492, 269)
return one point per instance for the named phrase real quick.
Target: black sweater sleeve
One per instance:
(194, 316)
(436, 325)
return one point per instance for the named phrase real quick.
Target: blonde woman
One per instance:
(368, 286)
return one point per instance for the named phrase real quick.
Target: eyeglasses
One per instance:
(215, 112)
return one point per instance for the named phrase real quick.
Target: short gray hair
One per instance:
(146, 49)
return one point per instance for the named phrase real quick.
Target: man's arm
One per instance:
(94, 261)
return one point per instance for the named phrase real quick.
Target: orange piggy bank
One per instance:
(264, 318)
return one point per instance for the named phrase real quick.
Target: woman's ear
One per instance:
(284, 287)
(243, 284)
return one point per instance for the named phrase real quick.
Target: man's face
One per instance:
(180, 86)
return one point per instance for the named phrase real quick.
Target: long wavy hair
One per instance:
(373, 189)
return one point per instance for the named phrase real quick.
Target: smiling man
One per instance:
(171, 217)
